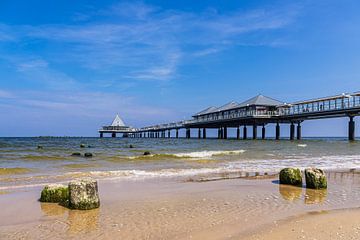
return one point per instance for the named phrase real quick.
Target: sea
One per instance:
(28, 162)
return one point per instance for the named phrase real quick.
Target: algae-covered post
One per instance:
(291, 176)
(54, 193)
(315, 178)
(83, 194)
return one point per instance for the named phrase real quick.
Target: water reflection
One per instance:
(51, 209)
(290, 193)
(77, 221)
(83, 221)
(313, 196)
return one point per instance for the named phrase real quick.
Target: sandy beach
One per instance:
(243, 208)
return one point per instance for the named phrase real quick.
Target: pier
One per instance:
(117, 127)
(255, 113)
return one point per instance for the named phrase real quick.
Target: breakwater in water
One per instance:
(23, 164)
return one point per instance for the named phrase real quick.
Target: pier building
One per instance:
(258, 112)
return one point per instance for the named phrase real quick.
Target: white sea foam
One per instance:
(206, 154)
(133, 174)
(197, 155)
(334, 162)
(302, 145)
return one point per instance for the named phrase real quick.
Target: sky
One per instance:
(67, 67)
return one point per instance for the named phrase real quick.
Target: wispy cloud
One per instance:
(82, 104)
(32, 65)
(5, 94)
(125, 44)
(145, 38)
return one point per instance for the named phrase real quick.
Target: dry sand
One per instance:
(175, 209)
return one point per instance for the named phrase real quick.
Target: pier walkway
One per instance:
(258, 112)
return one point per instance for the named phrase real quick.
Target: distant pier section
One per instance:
(257, 112)
(117, 127)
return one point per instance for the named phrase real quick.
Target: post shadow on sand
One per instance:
(293, 193)
(78, 221)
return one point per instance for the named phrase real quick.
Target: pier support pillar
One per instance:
(199, 133)
(219, 133)
(113, 135)
(245, 133)
(225, 133)
(292, 131)
(351, 129)
(254, 131)
(277, 130)
(169, 133)
(238, 133)
(188, 133)
(263, 132)
(298, 131)
(101, 135)
(177, 133)
(204, 133)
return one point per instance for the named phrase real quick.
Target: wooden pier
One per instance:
(256, 112)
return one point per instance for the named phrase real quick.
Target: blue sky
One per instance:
(67, 67)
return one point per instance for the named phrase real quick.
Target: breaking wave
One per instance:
(199, 154)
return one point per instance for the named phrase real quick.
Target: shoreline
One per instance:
(195, 177)
(168, 209)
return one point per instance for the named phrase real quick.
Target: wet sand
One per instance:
(336, 224)
(253, 208)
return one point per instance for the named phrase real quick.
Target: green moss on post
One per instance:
(55, 193)
(83, 194)
(291, 176)
(315, 178)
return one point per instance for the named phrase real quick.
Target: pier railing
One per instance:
(322, 105)
(341, 102)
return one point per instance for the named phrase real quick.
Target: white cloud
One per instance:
(32, 65)
(207, 51)
(5, 94)
(140, 40)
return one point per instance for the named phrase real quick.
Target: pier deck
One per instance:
(260, 111)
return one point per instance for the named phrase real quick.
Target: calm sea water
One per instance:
(23, 164)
